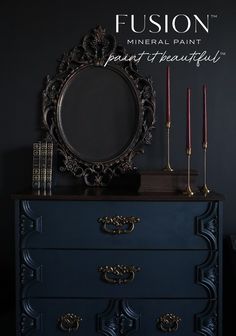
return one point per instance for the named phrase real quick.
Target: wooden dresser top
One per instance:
(106, 194)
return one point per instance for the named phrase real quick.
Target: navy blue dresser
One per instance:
(134, 264)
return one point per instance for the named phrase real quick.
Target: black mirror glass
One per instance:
(98, 113)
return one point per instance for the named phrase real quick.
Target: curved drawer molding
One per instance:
(30, 320)
(207, 274)
(206, 321)
(118, 319)
(29, 222)
(30, 272)
(207, 225)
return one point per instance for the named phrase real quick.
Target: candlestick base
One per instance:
(188, 191)
(204, 190)
(168, 168)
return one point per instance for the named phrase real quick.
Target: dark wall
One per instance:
(33, 36)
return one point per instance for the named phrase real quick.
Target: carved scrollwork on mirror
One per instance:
(99, 115)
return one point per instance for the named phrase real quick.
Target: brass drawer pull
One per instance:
(118, 274)
(169, 322)
(69, 322)
(118, 224)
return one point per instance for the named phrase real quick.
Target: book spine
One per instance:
(36, 177)
(49, 166)
(43, 166)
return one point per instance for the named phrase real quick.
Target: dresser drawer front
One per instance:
(161, 274)
(45, 317)
(94, 224)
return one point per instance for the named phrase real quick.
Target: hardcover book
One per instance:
(43, 166)
(36, 178)
(49, 164)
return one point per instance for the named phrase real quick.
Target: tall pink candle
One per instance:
(188, 125)
(168, 97)
(204, 128)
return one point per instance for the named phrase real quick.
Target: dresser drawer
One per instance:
(49, 317)
(160, 274)
(94, 224)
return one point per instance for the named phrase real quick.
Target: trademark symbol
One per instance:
(223, 53)
(214, 16)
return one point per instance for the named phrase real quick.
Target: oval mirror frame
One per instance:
(94, 51)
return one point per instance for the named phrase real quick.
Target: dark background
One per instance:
(34, 34)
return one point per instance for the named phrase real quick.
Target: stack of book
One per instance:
(42, 167)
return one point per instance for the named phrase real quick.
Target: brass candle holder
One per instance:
(204, 188)
(168, 168)
(188, 191)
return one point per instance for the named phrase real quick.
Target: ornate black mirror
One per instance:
(99, 114)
